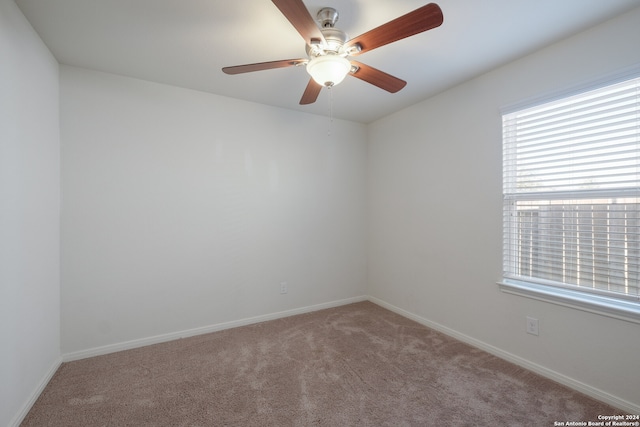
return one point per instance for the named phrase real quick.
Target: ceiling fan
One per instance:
(328, 48)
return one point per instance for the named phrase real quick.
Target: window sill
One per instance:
(617, 309)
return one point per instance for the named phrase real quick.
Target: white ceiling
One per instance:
(187, 42)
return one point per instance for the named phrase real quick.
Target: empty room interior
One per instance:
(148, 196)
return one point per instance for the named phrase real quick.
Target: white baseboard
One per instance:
(624, 405)
(127, 345)
(26, 407)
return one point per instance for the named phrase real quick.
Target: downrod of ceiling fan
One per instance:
(327, 17)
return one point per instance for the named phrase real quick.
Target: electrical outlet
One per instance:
(283, 287)
(532, 326)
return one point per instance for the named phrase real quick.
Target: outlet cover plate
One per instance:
(532, 326)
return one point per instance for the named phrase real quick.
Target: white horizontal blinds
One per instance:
(590, 243)
(585, 142)
(572, 192)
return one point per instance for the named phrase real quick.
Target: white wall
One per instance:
(183, 209)
(435, 224)
(29, 214)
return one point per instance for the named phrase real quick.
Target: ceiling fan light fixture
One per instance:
(328, 70)
(329, 47)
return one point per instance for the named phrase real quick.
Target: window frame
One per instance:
(610, 306)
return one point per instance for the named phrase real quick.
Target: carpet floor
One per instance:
(354, 365)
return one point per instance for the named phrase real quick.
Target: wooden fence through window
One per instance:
(595, 245)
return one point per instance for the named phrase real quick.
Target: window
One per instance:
(571, 191)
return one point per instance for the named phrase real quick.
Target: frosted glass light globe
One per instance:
(328, 70)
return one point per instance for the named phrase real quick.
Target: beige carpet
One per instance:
(356, 365)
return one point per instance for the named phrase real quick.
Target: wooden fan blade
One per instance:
(296, 12)
(421, 19)
(259, 66)
(378, 78)
(310, 93)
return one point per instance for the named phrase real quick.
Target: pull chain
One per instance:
(330, 111)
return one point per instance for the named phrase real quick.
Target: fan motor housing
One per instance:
(335, 39)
